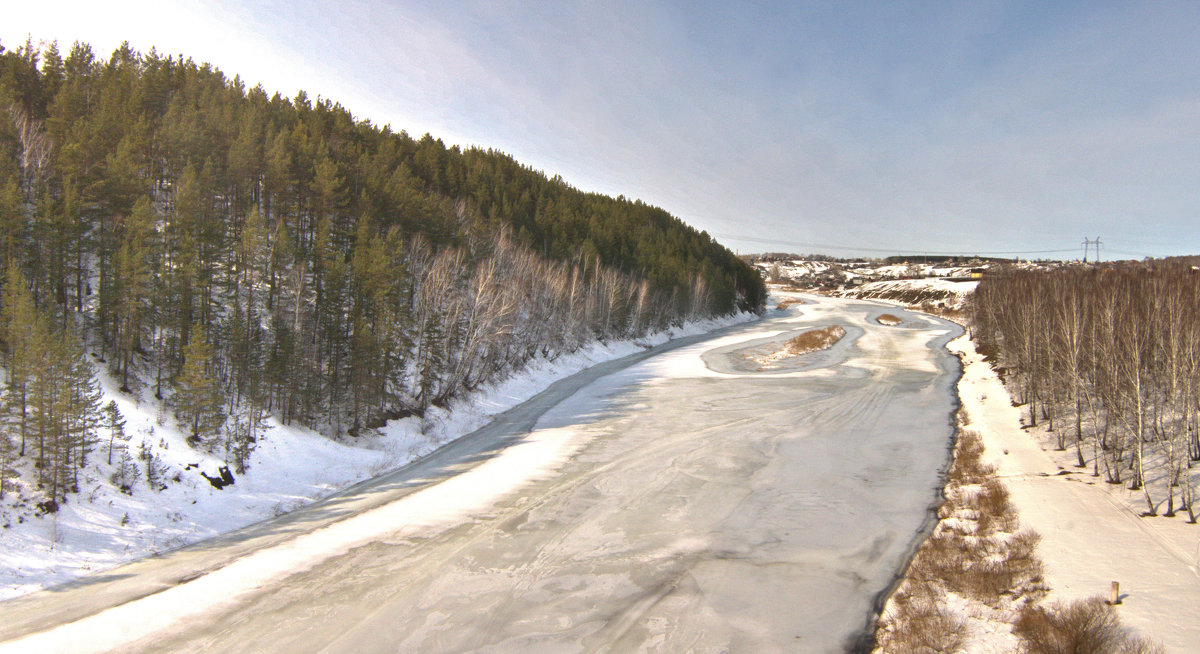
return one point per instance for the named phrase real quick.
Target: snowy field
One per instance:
(100, 527)
(1091, 531)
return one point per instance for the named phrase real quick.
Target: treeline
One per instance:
(1109, 356)
(944, 259)
(238, 254)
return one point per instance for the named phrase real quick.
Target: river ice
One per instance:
(680, 503)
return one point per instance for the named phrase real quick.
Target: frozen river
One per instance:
(683, 500)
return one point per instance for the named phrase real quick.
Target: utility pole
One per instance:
(1097, 249)
(1087, 243)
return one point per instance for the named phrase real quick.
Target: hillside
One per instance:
(933, 292)
(239, 261)
(944, 285)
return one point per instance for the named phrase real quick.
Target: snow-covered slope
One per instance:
(795, 269)
(941, 293)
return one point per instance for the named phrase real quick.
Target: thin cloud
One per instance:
(975, 127)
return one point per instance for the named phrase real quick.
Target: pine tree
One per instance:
(190, 200)
(115, 423)
(245, 331)
(81, 402)
(25, 340)
(153, 466)
(12, 223)
(127, 473)
(132, 285)
(198, 399)
(242, 436)
(8, 459)
(64, 396)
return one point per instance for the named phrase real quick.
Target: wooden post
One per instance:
(1114, 595)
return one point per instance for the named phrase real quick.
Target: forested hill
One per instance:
(237, 254)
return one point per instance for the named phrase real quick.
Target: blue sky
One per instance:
(845, 128)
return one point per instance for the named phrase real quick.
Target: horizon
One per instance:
(1003, 129)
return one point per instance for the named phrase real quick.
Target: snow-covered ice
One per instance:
(666, 503)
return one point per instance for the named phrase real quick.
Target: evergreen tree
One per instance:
(344, 273)
(242, 436)
(198, 400)
(153, 466)
(115, 423)
(8, 459)
(132, 286)
(25, 342)
(61, 408)
(13, 235)
(81, 408)
(126, 473)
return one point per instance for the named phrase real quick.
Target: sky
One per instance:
(845, 128)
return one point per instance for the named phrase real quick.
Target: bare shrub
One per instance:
(972, 552)
(985, 570)
(943, 557)
(988, 580)
(918, 625)
(1088, 626)
(888, 320)
(995, 511)
(968, 466)
(950, 313)
(1021, 553)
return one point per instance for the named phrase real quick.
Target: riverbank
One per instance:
(102, 527)
(687, 509)
(1090, 535)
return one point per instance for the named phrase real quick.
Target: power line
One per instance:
(1140, 255)
(855, 248)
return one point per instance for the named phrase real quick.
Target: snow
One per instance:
(915, 291)
(100, 527)
(440, 504)
(1091, 531)
(719, 500)
(794, 269)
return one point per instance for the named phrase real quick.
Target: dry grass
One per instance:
(789, 302)
(975, 551)
(968, 467)
(922, 626)
(888, 320)
(985, 569)
(952, 314)
(993, 510)
(814, 340)
(1088, 626)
